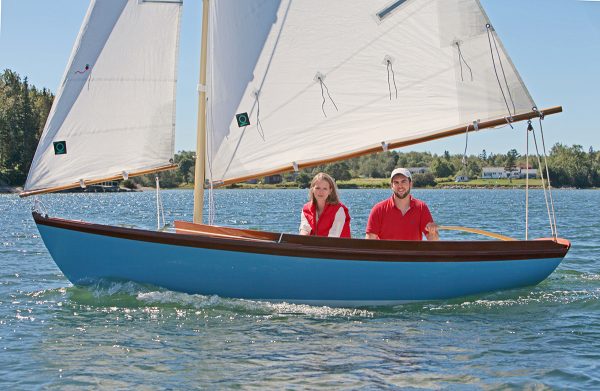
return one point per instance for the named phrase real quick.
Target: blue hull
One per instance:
(85, 257)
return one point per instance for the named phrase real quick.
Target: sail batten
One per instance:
(320, 79)
(115, 108)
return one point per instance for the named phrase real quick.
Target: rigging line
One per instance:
(543, 181)
(464, 159)
(527, 182)
(460, 57)
(159, 205)
(388, 73)
(330, 98)
(259, 126)
(488, 26)
(390, 67)
(394, 79)
(548, 174)
(323, 95)
(162, 211)
(504, 74)
(211, 205)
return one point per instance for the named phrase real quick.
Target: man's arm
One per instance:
(369, 235)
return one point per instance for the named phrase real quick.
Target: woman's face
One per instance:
(321, 190)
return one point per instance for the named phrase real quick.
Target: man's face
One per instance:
(401, 186)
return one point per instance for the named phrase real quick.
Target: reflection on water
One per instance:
(126, 335)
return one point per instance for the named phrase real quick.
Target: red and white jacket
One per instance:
(333, 222)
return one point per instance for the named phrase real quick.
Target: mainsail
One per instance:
(114, 113)
(324, 79)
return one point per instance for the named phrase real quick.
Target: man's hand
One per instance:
(432, 231)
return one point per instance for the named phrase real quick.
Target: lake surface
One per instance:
(125, 335)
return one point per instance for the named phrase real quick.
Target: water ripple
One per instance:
(123, 335)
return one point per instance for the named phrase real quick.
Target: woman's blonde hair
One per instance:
(333, 197)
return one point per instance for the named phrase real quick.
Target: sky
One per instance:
(555, 45)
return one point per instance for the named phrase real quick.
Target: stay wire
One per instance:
(211, 205)
(504, 74)
(527, 182)
(552, 229)
(159, 206)
(541, 118)
(464, 159)
(488, 26)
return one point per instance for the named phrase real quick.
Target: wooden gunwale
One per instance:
(334, 248)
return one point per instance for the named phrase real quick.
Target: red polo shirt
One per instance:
(388, 222)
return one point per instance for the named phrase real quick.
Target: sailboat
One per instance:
(283, 85)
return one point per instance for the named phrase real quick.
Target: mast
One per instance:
(199, 175)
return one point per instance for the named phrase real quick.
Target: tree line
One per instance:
(23, 113)
(24, 109)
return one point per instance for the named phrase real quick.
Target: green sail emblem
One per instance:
(60, 147)
(242, 119)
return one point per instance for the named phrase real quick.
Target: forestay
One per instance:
(114, 113)
(320, 79)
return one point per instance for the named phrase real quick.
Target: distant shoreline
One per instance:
(18, 189)
(10, 189)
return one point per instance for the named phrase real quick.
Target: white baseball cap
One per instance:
(401, 171)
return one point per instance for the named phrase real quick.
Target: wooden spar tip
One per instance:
(475, 231)
(534, 113)
(95, 181)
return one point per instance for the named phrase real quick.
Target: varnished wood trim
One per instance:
(95, 181)
(199, 229)
(335, 248)
(475, 231)
(395, 144)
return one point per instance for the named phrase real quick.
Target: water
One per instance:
(126, 335)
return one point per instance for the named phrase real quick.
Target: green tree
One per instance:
(570, 166)
(442, 168)
(339, 171)
(511, 159)
(424, 180)
(303, 179)
(23, 113)
(187, 162)
(483, 155)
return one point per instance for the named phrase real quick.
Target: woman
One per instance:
(324, 214)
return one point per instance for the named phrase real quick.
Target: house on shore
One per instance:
(501, 172)
(273, 179)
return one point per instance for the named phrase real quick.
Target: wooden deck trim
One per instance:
(334, 248)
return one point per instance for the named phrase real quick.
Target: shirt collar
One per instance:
(411, 204)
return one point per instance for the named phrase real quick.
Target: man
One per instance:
(401, 217)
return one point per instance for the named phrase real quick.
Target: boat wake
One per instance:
(131, 295)
(566, 287)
